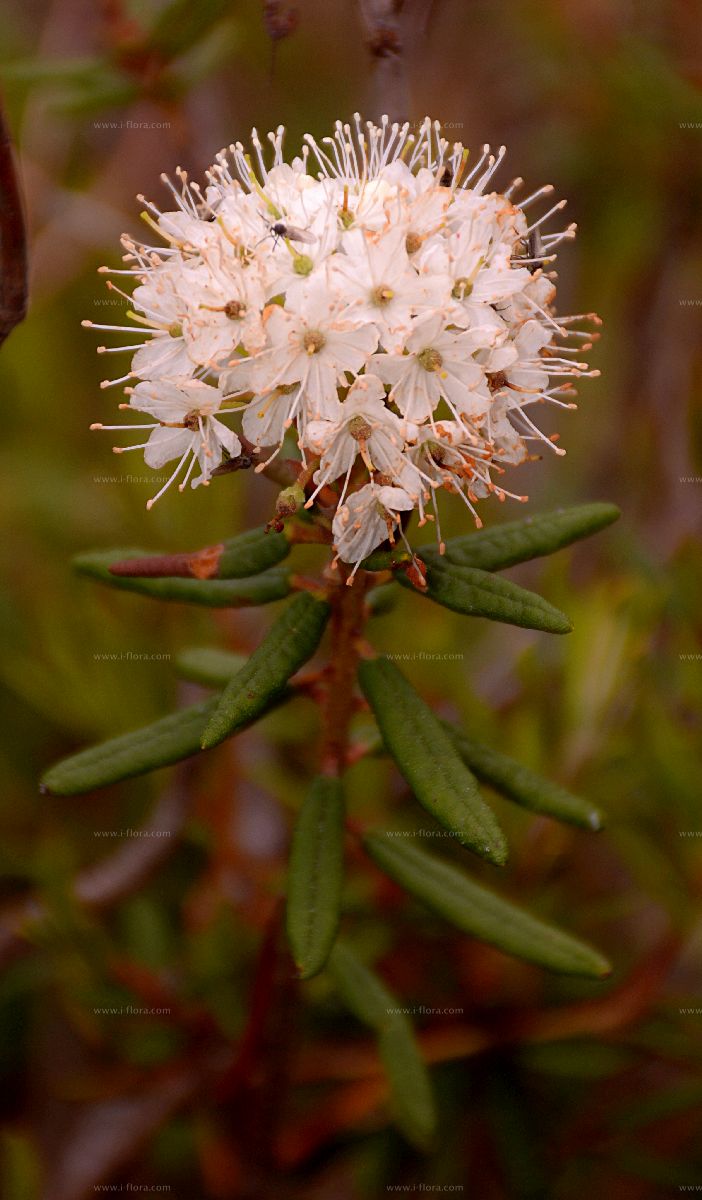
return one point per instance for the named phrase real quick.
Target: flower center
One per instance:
(175, 330)
(346, 217)
(413, 242)
(302, 264)
(313, 341)
(234, 309)
(496, 381)
(359, 428)
(192, 420)
(382, 295)
(462, 288)
(286, 389)
(430, 359)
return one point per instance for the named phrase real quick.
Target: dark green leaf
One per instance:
(370, 1001)
(479, 594)
(237, 558)
(208, 665)
(213, 593)
(386, 560)
(315, 876)
(164, 742)
(477, 911)
(158, 745)
(252, 552)
(428, 759)
(502, 546)
(382, 600)
(290, 642)
(523, 786)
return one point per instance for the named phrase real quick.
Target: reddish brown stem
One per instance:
(347, 622)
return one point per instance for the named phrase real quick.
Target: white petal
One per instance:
(165, 444)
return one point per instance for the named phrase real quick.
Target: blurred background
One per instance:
(129, 1057)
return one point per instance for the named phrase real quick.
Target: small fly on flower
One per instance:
(290, 233)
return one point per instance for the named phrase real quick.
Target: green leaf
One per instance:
(166, 741)
(208, 665)
(411, 1094)
(252, 552)
(523, 786)
(382, 600)
(479, 594)
(290, 642)
(246, 554)
(53, 70)
(362, 992)
(428, 759)
(370, 1001)
(504, 545)
(213, 593)
(315, 876)
(450, 894)
(386, 560)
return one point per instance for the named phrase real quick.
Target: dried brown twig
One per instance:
(392, 29)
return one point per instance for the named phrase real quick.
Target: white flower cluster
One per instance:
(375, 297)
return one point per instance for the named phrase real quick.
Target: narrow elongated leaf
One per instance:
(289, 643)
(208, 665)
(479, 594)
(412, 1097)
(428, 759)
(213, 593)
(370, 1001)
(166, 741)
(477, 911)
(252, 552)
(160, 744)
(523, 786)
(246, 554)
(502, 546)
(363, 993)
(315, 876)
(386, 560)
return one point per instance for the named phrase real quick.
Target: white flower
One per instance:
(310, 345)
(267, 418)
(438, 364)
(225, 303)
(367, 518)
(478, 268)
(361, 425)
(162, 302)
(380, 286)
(185, 428)
(295, 295)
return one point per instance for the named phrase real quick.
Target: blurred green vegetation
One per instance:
(603, 100)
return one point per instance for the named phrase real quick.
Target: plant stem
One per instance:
(347, 622)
